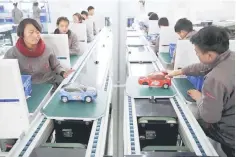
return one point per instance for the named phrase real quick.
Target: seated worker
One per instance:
(153, 16)
(163, 22)
(35, 57)
(216, 102)
(150, 13)
(89, 26)
(184, 28)
(62, 28)
(77, 18)
(91, 16)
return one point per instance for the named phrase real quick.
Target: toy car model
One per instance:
(156, 80)
(72, 92)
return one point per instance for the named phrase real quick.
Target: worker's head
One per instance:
(35, 4)
(63, 25)
(84, 14)
(153, 16)
(91, 10)
(210, 42)
(77, 18)
(150, 13)
(29, 30)
(163, 22)
(183, 27)
(15, 5)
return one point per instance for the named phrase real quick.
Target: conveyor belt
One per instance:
(138, 69)
(39, 91)
(76, 109)
(135, 90)
(159, 108)
(135, 41)
(140, 54)
(93, 75)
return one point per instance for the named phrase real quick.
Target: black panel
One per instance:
(72, 131)
(159, 108)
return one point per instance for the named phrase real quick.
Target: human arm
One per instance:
(94, 28)
(198, 69)
(56, 66)
(10, 54)
(157, 44)
(74, 46)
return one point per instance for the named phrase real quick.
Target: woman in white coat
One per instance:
(36, 12)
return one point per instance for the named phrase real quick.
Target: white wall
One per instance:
(193, 9)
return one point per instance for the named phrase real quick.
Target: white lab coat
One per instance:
(36, 14)
(95, 31)
(17, 15)
(89, 29)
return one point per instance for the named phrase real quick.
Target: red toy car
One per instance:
(156, 80)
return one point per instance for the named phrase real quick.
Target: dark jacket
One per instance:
(217, 104)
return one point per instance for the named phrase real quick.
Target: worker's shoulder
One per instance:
(224, 72)
(12, 50)
(48, 49)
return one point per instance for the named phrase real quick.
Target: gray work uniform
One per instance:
(74, 44)
(36, 14)
(217, 104)
(89, 29)
(156, 48)
(17, 15)
(42, 69)
(94, 25)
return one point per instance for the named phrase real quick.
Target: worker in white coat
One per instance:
(17, 14)
(91, 16)
(89, 26)
(36, 12)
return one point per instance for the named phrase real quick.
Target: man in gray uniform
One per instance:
(17, 14)
(216, 102)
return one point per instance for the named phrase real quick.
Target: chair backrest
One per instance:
(153, 27)
(167, 37)
(59, 43)
(81, 33)
(185, 54)
(51, 27)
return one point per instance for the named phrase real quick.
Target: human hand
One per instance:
(171, 74)
(67, 73)
(194, 94)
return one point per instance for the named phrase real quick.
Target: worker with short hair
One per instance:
(216, 101)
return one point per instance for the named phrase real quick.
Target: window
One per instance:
(72, 90)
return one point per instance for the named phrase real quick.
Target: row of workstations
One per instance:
(157, 121)
(42, 124)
